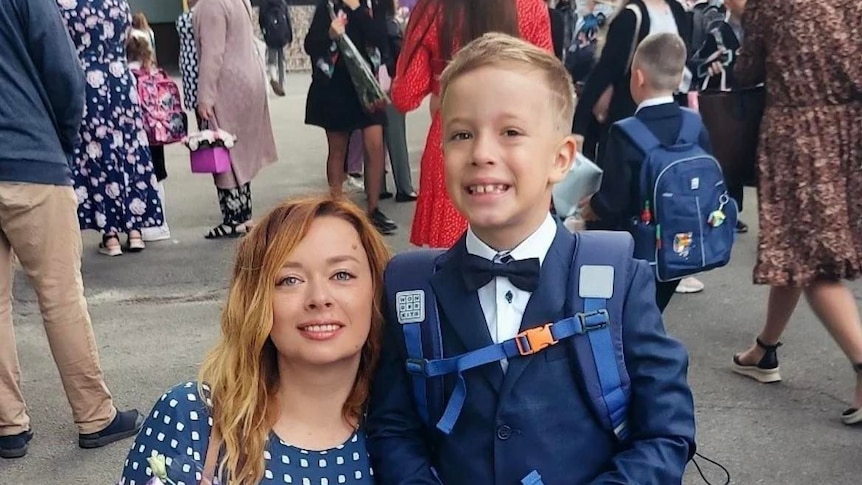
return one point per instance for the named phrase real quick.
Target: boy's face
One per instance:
(503, 150)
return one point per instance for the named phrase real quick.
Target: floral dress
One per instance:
(112, 168)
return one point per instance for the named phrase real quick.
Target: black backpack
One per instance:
(275, 24)
(705, 17)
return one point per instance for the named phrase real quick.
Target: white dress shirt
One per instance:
(502, 302)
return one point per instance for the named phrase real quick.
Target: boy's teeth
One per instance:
(321, 328)
(483, 189)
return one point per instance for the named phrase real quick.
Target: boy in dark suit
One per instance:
(506, 107)
(657, 68)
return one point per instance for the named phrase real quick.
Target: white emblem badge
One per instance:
(411, 306)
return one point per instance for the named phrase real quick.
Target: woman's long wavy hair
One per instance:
(460, 22)
(241, 371)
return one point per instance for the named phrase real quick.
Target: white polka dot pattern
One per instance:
(179, 428)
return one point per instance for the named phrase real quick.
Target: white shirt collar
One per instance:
(655, 102)
(535, 246)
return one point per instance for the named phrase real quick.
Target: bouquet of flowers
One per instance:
(209, 139)
(371, 95)
(167, 471)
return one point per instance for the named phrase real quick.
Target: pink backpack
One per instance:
(164, 118)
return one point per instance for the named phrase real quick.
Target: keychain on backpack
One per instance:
(717, 217)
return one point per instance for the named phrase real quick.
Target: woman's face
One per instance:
(323, 299)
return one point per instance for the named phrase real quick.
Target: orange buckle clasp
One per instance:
(535, 339)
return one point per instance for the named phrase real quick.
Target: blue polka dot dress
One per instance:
(179, 428)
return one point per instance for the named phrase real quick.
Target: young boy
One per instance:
(506, 111)
(657, 68)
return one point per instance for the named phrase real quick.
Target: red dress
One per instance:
(437, 223)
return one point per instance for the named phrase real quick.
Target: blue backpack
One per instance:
(597, 292)
(688, 219)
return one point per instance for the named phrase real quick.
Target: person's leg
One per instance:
(760, 361)
(13, 411)
(245, 204)
(396, 142)
(281, 68)
(273, 63)
(374, 170)
(835, 306)
(52, 261)
(372, 139)
(664, 291)
(335, 160)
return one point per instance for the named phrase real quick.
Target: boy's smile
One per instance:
(503, 150)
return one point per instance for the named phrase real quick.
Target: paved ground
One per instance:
(156, 314)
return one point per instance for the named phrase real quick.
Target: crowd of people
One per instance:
(339, 363)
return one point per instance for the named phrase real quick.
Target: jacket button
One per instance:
(504, 432)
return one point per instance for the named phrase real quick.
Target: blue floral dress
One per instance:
(112, 168)
(179, 428)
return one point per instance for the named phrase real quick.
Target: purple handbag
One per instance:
(210, 159)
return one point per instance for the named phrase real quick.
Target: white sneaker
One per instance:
(354, 184)
(161, 233)
(689, 285)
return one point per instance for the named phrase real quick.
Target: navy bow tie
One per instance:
(524, 274)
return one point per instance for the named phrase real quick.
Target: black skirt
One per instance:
(333, 104)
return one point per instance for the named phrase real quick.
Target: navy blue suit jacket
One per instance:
(535, 416)
(620, 199)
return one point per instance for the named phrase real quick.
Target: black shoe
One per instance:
(385, 225)
(385, 195)
(741, 227)
(124, 425)
(411, 197)
(15, 446)
(766, 371)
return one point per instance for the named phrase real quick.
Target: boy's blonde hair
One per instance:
(495, 49)
(661, 57)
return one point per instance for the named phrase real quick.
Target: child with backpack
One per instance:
(660, 181)
(274, 20)
(165, 120)
(525, 353)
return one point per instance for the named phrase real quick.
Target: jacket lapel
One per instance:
(547, 302)
(462, 310)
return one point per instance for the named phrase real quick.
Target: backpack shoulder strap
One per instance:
(689, 130)
(600, 266)
(639, 134)
(412, 305)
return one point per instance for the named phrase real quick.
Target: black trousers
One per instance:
(664, 292)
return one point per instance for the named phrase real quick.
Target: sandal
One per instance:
(110, 250)
(853, 415)
(766, 371)
(225, 231)
(135, 243)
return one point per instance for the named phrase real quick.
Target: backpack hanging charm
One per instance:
(717, 217)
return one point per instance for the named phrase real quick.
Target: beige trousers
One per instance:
(40, 223)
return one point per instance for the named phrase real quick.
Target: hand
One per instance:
(353, 4)
(715, 69)
(716, 62)
(603, 104)
(206, 112)
(336, 28)
(586, 210)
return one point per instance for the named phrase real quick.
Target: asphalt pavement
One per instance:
(155, 316)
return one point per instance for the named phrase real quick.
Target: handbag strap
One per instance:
(637, 33)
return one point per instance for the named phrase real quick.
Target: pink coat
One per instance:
(233, 81)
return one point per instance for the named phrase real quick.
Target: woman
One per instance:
(396, 121)
(432, 37)
(112, 169)
(810, 180)
(232, 96)
(285, 387)
(333, 103)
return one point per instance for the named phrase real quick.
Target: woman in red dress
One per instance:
(433, 35)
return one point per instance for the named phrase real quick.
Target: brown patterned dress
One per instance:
(809, 54)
